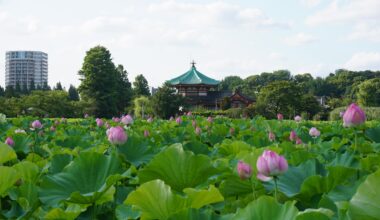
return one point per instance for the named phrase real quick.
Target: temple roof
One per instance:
(193, 77)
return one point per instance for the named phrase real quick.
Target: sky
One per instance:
(159, 38)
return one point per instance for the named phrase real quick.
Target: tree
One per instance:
(124, 89)
(166, 102)
(73, 93)
(58, 86)
(231, 83)
(10, 92)
(32, 86)
(2, 92)
(279, 97)
(45, 87)
(142, 107)
(140, 86)
(99, 81)
(369, 93)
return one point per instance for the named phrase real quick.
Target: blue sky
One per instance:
(160, 38)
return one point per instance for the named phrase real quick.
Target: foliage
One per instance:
(372, 113)
(140, 86)
(73, 93)
(142, 107)
(166, 103)
(369, 93)
(73, 172)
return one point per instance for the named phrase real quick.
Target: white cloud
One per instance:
(364, 61)
(310, 3)
(346, 11)
(366, 31)
(300, 39)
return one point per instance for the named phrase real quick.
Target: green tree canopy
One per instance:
(231, 83)
(58, 86)
(124, 89)
(140, 86)
(99, 81)
(73, 93)
(369, 93)
(166, 102)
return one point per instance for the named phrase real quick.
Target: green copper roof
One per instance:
(193, 76)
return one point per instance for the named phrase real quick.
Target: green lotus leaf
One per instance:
(265, 208)
(6, 153)
(28, 171)
(9, 176)
(191, 214)
(136, 150)
(365, 204)
(178, 168)
(58, 162)
(26, 195)
(22, 143)
(315, 214)
(126, 212)
(373, 134)
(201, 198)
(156, 200)
(229, 147)
(70, 213)
(85, 180)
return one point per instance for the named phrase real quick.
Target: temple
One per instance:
(201, 90)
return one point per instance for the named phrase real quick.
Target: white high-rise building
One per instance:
(25, 67)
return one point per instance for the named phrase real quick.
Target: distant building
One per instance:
(25, 67)
(201, 90)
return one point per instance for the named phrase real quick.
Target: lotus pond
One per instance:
(188, 169)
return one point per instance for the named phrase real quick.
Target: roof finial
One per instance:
(193, 64)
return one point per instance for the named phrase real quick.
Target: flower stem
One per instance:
(276, 188)
(356, 141)
(253, 190)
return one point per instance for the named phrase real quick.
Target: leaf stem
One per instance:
(253, 190)
(276, 188)
(356, 141)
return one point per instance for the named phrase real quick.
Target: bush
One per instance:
(372, 113)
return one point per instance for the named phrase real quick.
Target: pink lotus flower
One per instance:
(271, 136)
(198, 130)
(52, 128)
(99, 122)
(280, 117)
(353, 116)
(9, 141)
(178, 120)
(298, 141)
(127, 120)
(292, 136)
(36, 124)
(86, 115)
(244, 170)
(189, 114)
(210, 119)
(146, 133)
(341, 114)
(314, 132)
(171, 118)
(297, 118)
(116, 135)
(116, 119)
(270, 165)
(63, 120)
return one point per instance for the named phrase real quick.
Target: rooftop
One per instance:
(193, 77)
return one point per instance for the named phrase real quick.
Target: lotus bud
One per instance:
(353, 116)
(63, 120)
(292, 136)
(127, 120)
(280, 117)
(99, 122)
(314, 132)
(146, 133)
(271, 136)
(298, 141)
(210, 119)
(150, 120)
(232, 131)
(116, 135)
(86, 115)
(270, 165)
(171, 118)
(297, 118)
(36, 124)
(198, 130)
(189, 114)
(56, 122)
(9, 141)
(178, 120)
(244, 170)
(116, 119)
(194, 123)
(108, 125)
(52, 128)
